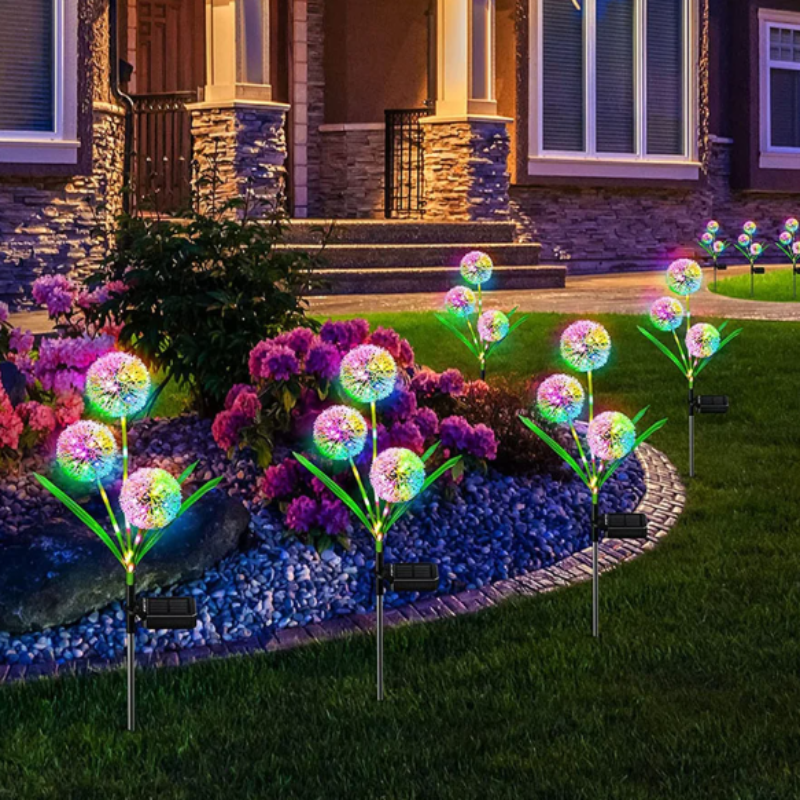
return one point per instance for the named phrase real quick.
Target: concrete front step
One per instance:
(393, 256)
(432, 279)
(365, 231)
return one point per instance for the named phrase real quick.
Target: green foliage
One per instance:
(202, 292)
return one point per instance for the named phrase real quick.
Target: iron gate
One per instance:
(404, 185)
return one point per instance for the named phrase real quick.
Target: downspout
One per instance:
(123, 99)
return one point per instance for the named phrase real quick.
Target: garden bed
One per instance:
(490, 527)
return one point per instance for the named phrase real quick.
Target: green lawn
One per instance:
(777, 285)
(693, 691)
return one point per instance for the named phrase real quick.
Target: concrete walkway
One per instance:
(626, 293)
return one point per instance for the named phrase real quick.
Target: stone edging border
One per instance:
(663, 502)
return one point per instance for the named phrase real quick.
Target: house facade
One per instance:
(606, 130)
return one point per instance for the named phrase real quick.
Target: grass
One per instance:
(776, 285)
(693, 691)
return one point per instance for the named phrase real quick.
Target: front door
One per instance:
(169, 69)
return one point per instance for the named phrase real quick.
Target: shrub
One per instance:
(201, 293)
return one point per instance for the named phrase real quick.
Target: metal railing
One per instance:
(404, 183)
(162, 152)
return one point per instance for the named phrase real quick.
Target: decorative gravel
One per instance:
(489, 528)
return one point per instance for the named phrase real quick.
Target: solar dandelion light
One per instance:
(700, 343)
(118, 386)
(485, 329)
(714, 246)
(752, 250)
(395, 476)
(609, 437)
(789, 245)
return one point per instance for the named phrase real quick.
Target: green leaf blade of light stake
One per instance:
(187, 472)
(663, 348)
(81, 514)
(336, 489)
(556, 448)
(430, 451)
(640, 415)
(200, 493)
(449, 325)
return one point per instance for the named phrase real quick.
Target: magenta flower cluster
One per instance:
(56, 292)
(242, 407)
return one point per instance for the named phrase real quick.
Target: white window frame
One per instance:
(592, 163)
(773, 157)
(59, 146)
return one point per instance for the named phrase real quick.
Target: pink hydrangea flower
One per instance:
(56, 292)
(69, 408)
(387, 339)
(279, 480)
(20, 341)
(11, 425)
(405, 357)
(40, 418)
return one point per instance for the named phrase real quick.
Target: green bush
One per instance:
(201, 292)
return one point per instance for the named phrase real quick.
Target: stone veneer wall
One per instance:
(618, 228)
(352, 175)
(239, 151)
(466, 170)
(316, 103)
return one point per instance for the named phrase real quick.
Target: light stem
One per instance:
(680, 351)
(363, 491)
(591, 395)
(580, 448)
(111, 516)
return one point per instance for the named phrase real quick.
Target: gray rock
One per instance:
(55, 573)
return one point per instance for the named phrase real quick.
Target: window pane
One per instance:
(563, 79)
(785, 107)
(615, 70)
(481, 49)
(665, 78)
(26, 65)
(253, 45)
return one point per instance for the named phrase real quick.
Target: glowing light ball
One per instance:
(792, 225)
(150, 499)
(340, 433)
(756, 249)
(744, 239)
(368, 373)
(611, 436)
(796, 248)
(750, 227)
(86, 451)
(560, 399)
(493, 326)
(684, 277)
(702, 340)
(707, 238)
(719, 247)
(585, 345)
(713, 226)
(460, 301)
(118, 385)
(786, 237)
(397, 475)
(667, 314)
(476, 268)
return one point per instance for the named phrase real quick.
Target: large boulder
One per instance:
(56, 573)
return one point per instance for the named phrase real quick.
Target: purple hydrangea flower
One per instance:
(333, 517)
(407, 435)
(482, 442)
(279, 480)
(323, 360)
(451, 382)
(258, 357)
(456, 433)
(387, 339)
(428, 423)
(4, 313)
(280, 364)
(20, 341)
(405, 357)
(399, 406)
(301, 514)
(56, 292)
(345, 335)
(425, 382)
(300, 340)
(234, 393)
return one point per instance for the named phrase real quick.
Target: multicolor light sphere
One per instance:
(611, 436)
(368, 373)
(585, 345)
(756, 249)
(86, 451)
(713, 226)
(118, 385)
(786, 237)
(560, 399)
(796, 248)
(476, 267)
(719, 247)
(792, 225)
(684, 277)
(667, 314)
(750, 227)
(707, 238)
(493, 326)
(397, 475)
(702, 340)
(744, 239)
(460, 301)
(340, 433)
(151, 498)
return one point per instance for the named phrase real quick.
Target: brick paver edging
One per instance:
(663, 502)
